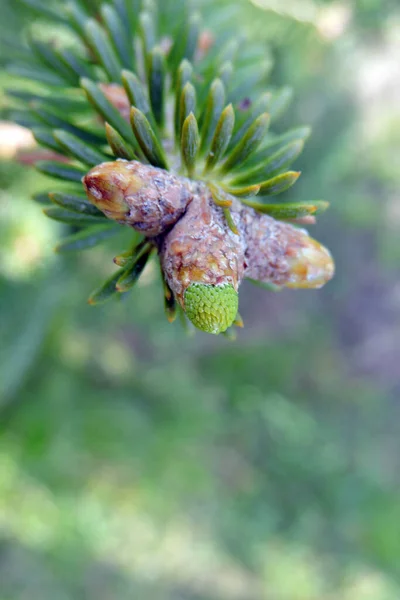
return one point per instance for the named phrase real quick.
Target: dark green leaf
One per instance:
(60, 170)
(187, 105)
(78, 149)
(128, 11)
(50, 59)
(72, 218)
(242, 192)
(42, 198)
(125, 259)
(122, 42)
(88, 238)
(147, 139)
(90, 5)
(35, 73)
(75, 64)
(276, 163)
(76, 204)
(249, 78)
(279, 184)
(23, 95)
(132, 274)
(249, 142)
(183, 76)
(185, 41)
(191, 37)
(220, 197)
(66, 104)
(119, 147)
(44, 137)
(222, 136)
(170, 305)
(156, 79)
(259, 107)
(147, 33)
(56, 122)
(273, 143)
(103, 49)
(225, 73)
(228, 52)
(107, 110)
(214, 107)
(24, 118)
(136, 92)
(252, 53)
(14, 46)
(44, 10)
(77, 18)
(107, 290)
(289, 210)
(190, 143)
(230, 221)
(280, 101)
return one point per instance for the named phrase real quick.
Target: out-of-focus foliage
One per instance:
(137, 462)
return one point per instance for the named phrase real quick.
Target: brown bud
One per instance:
(205, 43)
(201, 248)
(282, 254)
(117, 96)
(203, 262)
(148, 199)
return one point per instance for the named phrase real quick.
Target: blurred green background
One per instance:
(136, 462)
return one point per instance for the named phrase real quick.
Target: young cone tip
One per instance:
(211, 308)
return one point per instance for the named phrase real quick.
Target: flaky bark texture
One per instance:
(201, 248)
(282, 254)
(149, 199)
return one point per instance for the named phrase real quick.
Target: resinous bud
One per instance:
(203, 263)
(147, 198)
(283, 254)
(310, 264)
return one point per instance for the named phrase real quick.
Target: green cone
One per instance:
(211, 308)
